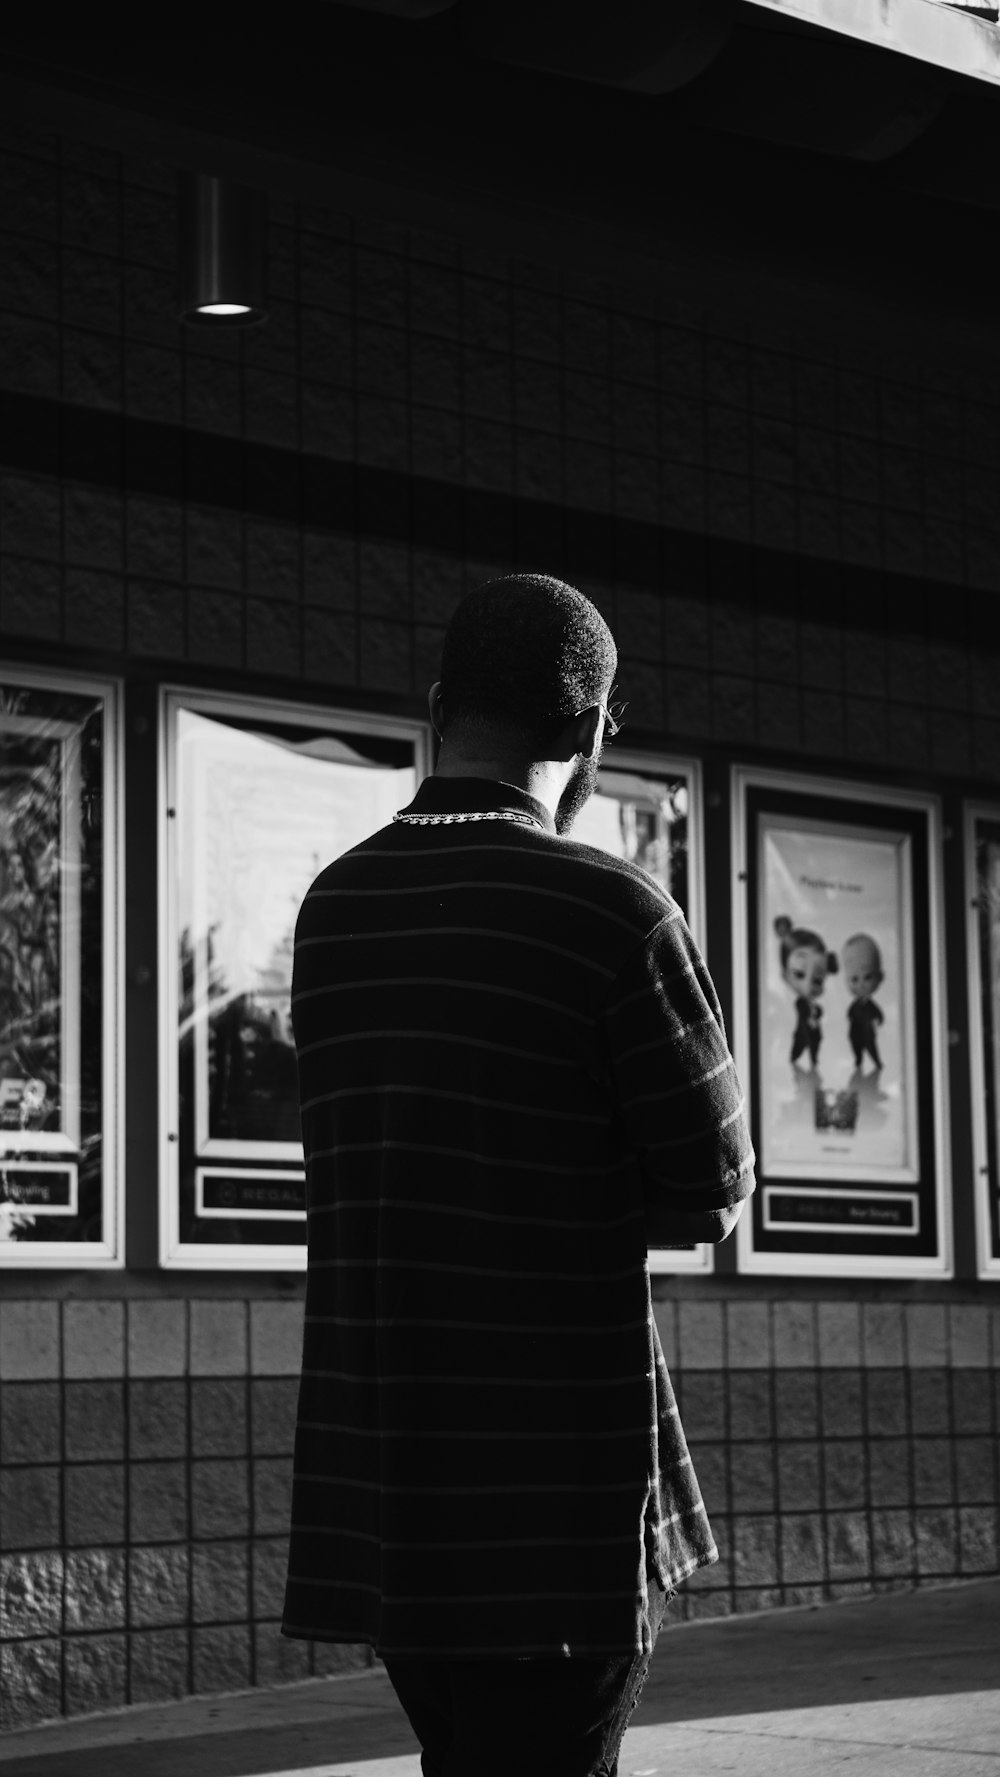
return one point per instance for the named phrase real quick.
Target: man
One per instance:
(513, 1075)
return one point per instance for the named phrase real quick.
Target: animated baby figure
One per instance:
(805, 965)
(862, 962)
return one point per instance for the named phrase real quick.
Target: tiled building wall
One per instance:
(144, 1501)
(307, 500)
(796, 539)
(843, 1447)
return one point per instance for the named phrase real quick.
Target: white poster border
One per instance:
(68, 1167)
(252, 1172)
(823, 1194)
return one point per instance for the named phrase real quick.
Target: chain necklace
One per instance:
(447, 820)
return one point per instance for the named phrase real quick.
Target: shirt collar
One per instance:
(477, 795)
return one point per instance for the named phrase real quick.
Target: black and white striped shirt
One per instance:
(512, 1064)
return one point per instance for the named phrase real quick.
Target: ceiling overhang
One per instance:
(794, 171)
(963, 39)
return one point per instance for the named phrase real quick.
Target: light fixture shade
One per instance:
(222, 240)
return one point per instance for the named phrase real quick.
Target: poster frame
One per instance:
(929, 1084)
(108, 1253)
(262, 1255)
(652, 764)
(985, 1096)
(699, 1259)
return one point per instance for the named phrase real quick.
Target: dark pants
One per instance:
(522, 1718)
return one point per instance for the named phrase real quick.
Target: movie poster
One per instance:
(59, 1177)
(261, 806)
(991, 947)
(39, 936)
(836, 1014)
(839, 1026)
(983, 830)
(261, 818)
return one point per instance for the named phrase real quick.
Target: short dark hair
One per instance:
(525, 652)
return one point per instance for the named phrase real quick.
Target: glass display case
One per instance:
(839, 1031)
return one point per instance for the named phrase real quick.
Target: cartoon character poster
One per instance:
(836, 1011)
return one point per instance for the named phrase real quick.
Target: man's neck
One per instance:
(542, 778)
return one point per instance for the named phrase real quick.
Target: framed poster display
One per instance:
(840, 1026)
(982, 875)
(257, 798)
(60, 971)
(647, 808)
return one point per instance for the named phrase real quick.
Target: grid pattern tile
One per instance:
(146, 1458)
(842, 1446)
(835, 503)
(145, 1462)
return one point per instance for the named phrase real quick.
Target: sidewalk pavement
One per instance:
(904, 1685)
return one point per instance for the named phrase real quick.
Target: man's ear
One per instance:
(586, 729)
(435, 708)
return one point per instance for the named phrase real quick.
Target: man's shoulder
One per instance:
(614, 883)
(391, 861)
(345, 863)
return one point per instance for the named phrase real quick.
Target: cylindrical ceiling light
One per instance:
(222, 240)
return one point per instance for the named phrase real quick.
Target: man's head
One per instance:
(862, 962)
(524, 656)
